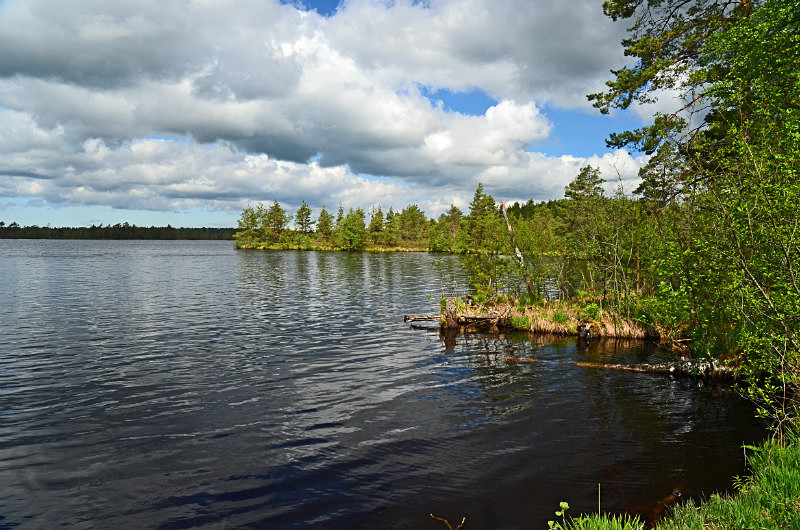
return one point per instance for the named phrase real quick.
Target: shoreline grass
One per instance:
(557, 318)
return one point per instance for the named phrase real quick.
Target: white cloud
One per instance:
(164, 106)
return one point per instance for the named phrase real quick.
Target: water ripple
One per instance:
(183, 384)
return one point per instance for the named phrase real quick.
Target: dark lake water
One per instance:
(185, 384)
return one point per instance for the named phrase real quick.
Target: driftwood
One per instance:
(429, 318)
(706, 368)
(481, 317)
(453, 320)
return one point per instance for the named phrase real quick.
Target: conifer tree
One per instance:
(275, 222)
(302, 219)
(325, 224)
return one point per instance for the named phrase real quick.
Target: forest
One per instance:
(707, 248)
(118, 231)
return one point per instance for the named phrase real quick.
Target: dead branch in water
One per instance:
(449, 526)
(703, 368)
(708, 369)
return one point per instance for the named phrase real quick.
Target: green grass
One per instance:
(606, 522)
(560, 317)
(520, 322)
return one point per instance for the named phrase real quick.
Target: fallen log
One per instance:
(428, 318)
(705, 368)
(481, 317)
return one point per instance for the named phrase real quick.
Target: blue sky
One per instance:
(183, 114)
(577, 132)
(323, 7)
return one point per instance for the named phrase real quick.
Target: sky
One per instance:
(183, 112)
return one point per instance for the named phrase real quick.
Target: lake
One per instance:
(185, 384)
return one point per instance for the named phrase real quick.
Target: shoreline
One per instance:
(565, 320)
(318, 248)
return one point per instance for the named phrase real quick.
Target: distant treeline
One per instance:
(117, 231)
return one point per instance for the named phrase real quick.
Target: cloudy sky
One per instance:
(185, 111)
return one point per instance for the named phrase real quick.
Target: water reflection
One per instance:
(185, 384)
(641, 437)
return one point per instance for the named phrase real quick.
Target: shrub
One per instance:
(560, 317)
(590, 312)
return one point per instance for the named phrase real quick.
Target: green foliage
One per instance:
(410, 227)
(553, 525)
(606, 522)
(520, 322)
(375, 220)
(590, 312)
(560, 317)
(529, 300)
(755, 192)
(352, 231)
(459, 304)
(443, 234)
(723, 191)
(248, 224)
(376, 227)
(273, 222)
(588, 183)
(540, 238)
(667, 38)
(492, 275)
(325, 224)
(339, 216)
(483, 225)
(302, 219)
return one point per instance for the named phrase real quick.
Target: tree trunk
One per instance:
(450, 319)
(517, 253)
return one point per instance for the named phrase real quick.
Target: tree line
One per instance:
(262, 226)
(117, 231)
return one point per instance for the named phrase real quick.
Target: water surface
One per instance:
(185, 384)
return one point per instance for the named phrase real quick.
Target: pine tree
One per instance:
(302, 219)
(588, 183)
(325, 224)
(376, 221)
(275, 222)
(483, 220)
